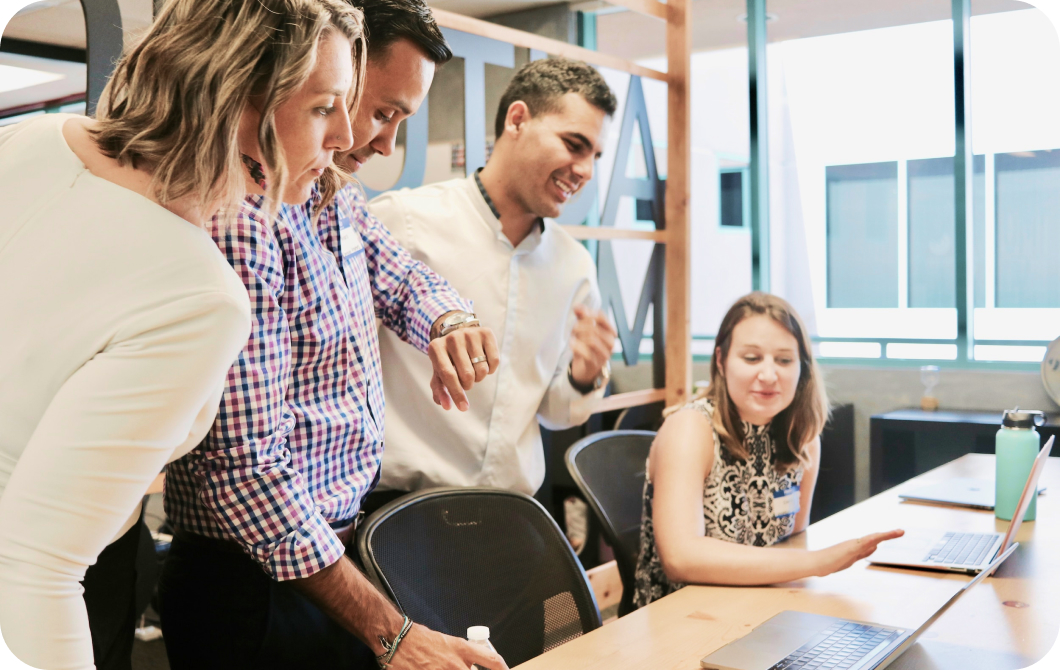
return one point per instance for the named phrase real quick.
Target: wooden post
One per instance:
(678, 230)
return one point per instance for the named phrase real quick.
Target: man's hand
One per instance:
(346, 595)
(426, 649)
(454, 373)
(592, 340)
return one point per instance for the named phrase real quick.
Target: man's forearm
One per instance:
(346, 595)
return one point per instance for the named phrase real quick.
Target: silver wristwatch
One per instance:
(598, 383)
(455, 321)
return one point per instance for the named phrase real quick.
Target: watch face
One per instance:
(457, 319)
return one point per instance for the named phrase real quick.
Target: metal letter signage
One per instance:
(649, 189)
(476, 52)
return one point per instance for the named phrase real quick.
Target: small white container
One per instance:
(480, 635)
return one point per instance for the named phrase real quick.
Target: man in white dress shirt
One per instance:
(491, 236)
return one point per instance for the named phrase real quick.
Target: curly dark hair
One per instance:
(387, 21)
(541, 83)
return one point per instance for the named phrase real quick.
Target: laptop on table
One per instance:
(958, 491)
(955, 551)
(803, 641)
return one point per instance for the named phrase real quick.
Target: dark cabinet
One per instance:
(835, 480)
(909, 442)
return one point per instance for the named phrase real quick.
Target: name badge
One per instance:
(349, 241)
(786, 502)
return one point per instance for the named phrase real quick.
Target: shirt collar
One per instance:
(493, 208)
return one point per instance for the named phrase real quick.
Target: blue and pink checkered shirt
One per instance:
(299, 435)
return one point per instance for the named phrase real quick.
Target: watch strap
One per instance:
(600, 380)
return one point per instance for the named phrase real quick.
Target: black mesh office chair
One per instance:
(608, 467)
(458, 557)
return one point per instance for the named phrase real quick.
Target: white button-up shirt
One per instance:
(527, 295)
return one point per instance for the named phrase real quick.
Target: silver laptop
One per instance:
(960, 552)
(803, 641)
(958, 491)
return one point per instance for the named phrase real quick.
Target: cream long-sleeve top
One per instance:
(526, 294)
(118, 323)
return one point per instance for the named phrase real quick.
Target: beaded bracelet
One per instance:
(390, 648)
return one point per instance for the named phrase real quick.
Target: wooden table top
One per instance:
(978, 632)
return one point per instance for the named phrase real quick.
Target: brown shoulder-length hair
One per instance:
(797, 424)
(176, 98)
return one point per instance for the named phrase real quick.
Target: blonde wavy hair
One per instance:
(801, 421)
(176, 98)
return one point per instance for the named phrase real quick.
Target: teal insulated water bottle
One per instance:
(1016, 447)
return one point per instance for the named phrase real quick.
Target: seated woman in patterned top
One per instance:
(733, 472)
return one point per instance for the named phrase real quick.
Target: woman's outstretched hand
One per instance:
(845, 554)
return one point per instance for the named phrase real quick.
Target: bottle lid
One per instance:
(1022, 418)
(478, 633)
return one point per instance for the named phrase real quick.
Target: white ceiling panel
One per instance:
(715, 24)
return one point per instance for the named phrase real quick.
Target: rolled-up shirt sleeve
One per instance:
(563, 405)
(243, 471)
(409, 297)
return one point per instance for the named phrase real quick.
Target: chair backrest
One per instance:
(641, 417)
(458, 557)
(608, 467)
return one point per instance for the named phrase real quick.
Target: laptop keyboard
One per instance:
(844, 644)
(960, 549)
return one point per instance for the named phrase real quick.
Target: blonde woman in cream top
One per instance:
(118, 323)
(119, 316)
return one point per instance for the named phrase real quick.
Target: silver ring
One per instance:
(478, 359)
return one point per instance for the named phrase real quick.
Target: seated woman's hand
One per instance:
(845, 554)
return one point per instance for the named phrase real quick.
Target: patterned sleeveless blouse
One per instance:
(737, 505)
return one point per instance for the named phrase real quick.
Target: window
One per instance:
(733, 196)
(1027, 229)
(877, 258)
(862, 187)
(862, 230)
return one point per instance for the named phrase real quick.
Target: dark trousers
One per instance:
(221, 610)
(110, 598)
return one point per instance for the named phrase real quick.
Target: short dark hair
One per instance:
(541, 83)
(387, 21)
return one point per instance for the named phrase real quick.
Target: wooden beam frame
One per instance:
(678, 190)
(646, 7)
(602, 233)
(519, 38)
(631, 399)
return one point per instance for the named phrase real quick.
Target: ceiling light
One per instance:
(13, 78)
